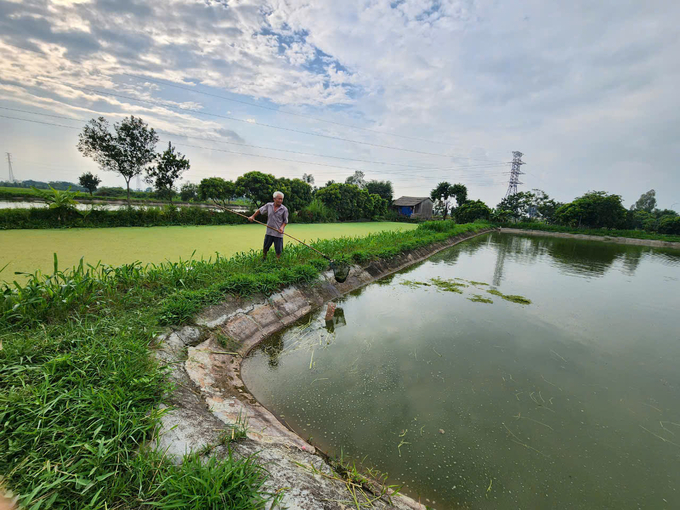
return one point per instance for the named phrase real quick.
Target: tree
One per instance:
(544, 205)
(216, 189)
(256, 187)
(358, 179)
(188, 191)
(517, 205)
(460, 192)
(382, 188)
(89, 182)
(646, 202)
(308, 178)
(594, 209)
(669, 225)
(471, 211)
(171, 165)
(298, 193)
(440, 196)
(127, 152)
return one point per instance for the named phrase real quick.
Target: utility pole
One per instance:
(515, 173)
(9, 164)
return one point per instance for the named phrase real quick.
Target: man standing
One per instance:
(277, 219)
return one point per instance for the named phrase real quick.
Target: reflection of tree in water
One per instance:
(450, 255)
(521, 249)
(273, 349)
(590, 258)
(631, 259)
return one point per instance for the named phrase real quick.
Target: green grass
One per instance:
(632, 234)
(31, 250)
(79, 389)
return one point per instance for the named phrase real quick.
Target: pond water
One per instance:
(572, 401)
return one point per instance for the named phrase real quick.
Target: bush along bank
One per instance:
(632, 234)
(169, 215)
(79, 391)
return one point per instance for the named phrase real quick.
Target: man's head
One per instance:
(278, 198)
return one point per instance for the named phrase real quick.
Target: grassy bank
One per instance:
(31, 250)
(78, 389)
(633, 234)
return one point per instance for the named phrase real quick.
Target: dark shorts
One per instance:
(277, 241)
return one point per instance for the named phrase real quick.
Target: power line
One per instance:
(253, 122)
(278, 110)
(215, 149)
(489, 164)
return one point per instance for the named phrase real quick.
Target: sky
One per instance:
(411, 91)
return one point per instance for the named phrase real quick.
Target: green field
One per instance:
(29, 250)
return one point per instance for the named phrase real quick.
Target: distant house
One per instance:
(414, 207)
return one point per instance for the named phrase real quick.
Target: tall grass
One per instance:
(79, 391)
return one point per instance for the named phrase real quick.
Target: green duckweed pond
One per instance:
(570, 402)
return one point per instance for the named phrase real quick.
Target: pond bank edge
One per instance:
(204, 361)
(655, 243)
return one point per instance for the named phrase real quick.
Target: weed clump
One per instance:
(448, 285)
(477, 298)
(413, 284)
(510, 297)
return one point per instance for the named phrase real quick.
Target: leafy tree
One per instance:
(440, 196)
(471, 211)
(352, 203)
(460, 192)
(256, 187)
(660, 213)
(127, 151)
(544, 205)
(517, 205)
(89, 182)
(358, 179)
(669, 225)
(382, 188)
(646, 202)
(308, 178)
(217, 189)
(188, 191)
(298, 193)
(170, 166)
(594, 209)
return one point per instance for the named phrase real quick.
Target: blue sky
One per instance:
(433, 90)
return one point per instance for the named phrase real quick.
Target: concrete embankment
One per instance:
(209, 396)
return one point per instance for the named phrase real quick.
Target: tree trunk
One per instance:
(127, 183)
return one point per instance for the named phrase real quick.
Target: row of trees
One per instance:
(130, 150)
(595, 209)
(346, 201)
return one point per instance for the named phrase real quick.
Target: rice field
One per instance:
(31, 250)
